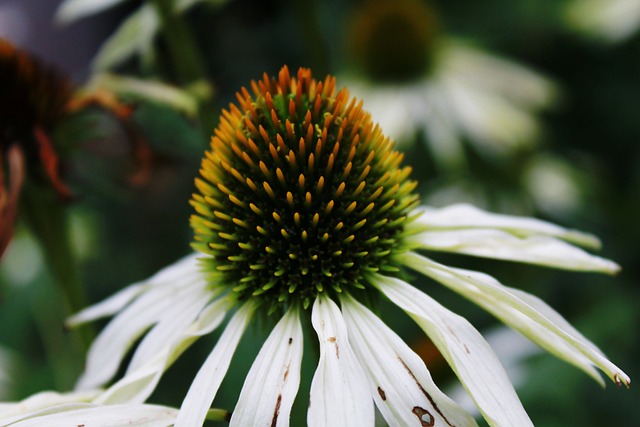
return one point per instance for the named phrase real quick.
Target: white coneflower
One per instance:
(415, 78)
(303, 209)
(609, 20)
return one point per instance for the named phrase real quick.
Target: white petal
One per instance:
(174, 322)
(464, 216)
(134, 36)
(524, 312)
(468, 354)
(41, 401)
(138, 384)
(339, 390)
(272, 383)
(111, 345)
(498, 244)
(400, 382)
(187, 266)
(205, 386)
(181, 270)
(63, 407)
(103, 416)
(107, 307)
(72, 10)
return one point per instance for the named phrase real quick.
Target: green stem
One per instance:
(186, 60)
(218, 415)
(64, 353)
(46, 217)
(189, 66)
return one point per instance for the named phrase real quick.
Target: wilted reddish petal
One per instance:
(49, 161)
(9, 196)
(141, 151)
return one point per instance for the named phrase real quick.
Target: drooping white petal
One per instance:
(205, 385)
(40, 401)
(111, 345)
(102, 416)
(464, 216)
(399, 380)
(63, 407)
(514, 351)
(177, 273)
(468, 354)
(272, 383)
(108, 306)
(339, 390)
(137, 385)
(498, 244)
(174, 322)
(186, 267)
(525, 313)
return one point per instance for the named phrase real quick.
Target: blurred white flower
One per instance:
(556, 186)
(416, 79)
(609, 20)
(467, 95)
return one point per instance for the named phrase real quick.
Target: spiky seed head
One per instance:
(300, 193)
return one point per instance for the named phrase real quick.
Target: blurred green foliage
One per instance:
(122, 234)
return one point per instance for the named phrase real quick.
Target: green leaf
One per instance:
(72, 10)
(135, 35)
(182, 5)
(153, 91)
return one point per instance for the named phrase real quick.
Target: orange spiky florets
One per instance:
(300, 192)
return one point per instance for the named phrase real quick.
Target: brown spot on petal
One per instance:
(382, 394)
(290, 341)
(276, 411)
(429, 398)
(333, 340)
(425, 417)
